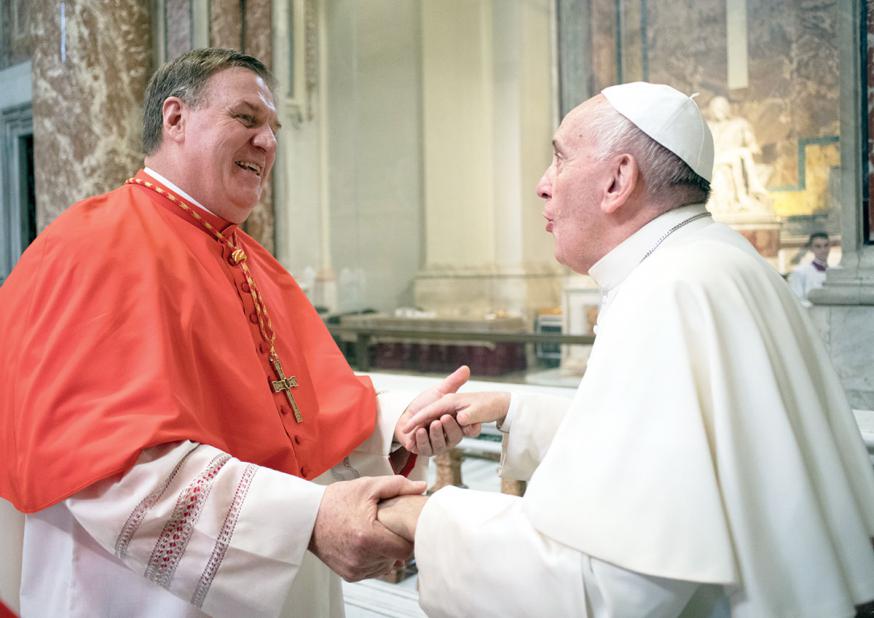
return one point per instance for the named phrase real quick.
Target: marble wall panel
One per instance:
(257, 30)
(178, 33)
(631, 34)
(794, 97)
(247, 26)
(794, 81)
(257, 37)
(604, 49)
(226, 24)
(16, 41)
(792, 94)
(90, 68)
(686, 45)
(573, 33)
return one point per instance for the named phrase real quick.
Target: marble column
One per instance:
(843, 309)
(178, 27)
(246, 26)
(226, 24)
(90, 68)
(869, 70)
(574, 32)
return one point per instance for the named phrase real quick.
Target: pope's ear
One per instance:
(624, 177)
(173, 114)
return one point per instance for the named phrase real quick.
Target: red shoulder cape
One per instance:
(125, 325)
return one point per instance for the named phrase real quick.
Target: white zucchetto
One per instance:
(669, 117)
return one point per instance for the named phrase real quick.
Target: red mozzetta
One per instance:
(127, 324)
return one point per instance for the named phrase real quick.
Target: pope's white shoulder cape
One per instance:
(710, 440)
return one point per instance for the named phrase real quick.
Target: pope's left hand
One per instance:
(441, 434)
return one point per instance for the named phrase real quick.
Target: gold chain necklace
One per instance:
(283, 383)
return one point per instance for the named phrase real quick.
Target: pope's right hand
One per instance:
(347, 536)
(469, 409)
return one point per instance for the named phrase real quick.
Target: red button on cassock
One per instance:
(253, 317)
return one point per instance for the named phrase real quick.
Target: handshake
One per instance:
(366, 526)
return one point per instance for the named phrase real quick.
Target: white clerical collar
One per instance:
(174, 188)
(613, 268)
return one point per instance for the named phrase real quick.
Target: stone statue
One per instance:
(737, 187)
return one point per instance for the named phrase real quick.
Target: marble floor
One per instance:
(373, 599)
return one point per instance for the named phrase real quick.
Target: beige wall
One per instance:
(375, 146)
(350, 175)
(487, 100)
(430, 126)
(488, 121)
(458, 103)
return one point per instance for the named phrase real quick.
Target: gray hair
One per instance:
(186, 78)
(666, 176)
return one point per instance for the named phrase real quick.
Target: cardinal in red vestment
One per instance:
(167, 384)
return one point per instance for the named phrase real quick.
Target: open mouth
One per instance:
(250, 167)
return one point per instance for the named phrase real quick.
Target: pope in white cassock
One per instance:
(709, 464)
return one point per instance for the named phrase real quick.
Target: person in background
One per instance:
(810, 276)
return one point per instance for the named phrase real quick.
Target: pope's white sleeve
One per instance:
(223, 535)
(371, 457)
(535, 419)
(479, 555)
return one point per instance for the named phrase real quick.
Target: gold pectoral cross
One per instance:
(286, 384)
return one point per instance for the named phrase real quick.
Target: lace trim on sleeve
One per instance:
(179, 528)
(139, 513)
(224, 538)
